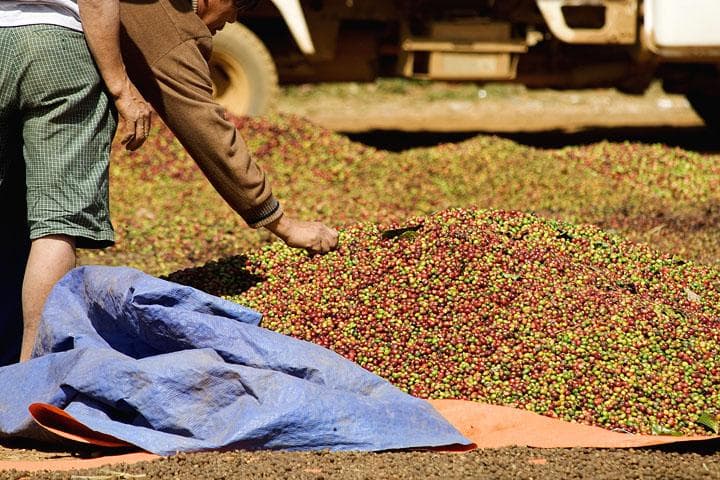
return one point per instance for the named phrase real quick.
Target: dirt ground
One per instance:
(442, 107)
(506, 463)
(395, 116)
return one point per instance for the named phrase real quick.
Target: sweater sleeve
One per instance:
(171, 71)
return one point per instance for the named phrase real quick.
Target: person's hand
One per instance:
(314, 237)
(136, 115)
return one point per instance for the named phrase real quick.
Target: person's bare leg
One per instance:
(50, 259)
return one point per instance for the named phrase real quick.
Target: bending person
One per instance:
(165, 47)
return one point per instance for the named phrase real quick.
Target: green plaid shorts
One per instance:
(57, 123)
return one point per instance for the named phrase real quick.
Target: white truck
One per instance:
(560, 44)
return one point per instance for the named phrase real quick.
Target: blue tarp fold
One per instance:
(169, 368)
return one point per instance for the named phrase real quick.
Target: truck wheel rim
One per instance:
(230, 83)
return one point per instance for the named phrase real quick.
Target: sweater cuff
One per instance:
(268, 212)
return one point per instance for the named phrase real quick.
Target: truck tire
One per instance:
(245, 79)
(707, 106)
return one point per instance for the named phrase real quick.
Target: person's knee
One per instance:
(59, 241)
(53, 253)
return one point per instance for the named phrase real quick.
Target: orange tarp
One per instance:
(493, 426)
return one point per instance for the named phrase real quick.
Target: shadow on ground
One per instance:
(698, 139)
(706, 447)
(225, 277)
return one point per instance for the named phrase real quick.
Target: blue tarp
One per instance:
(169, 368)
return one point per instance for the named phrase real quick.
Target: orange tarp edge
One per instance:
(492, 426)
(64, 425)
(488, 426)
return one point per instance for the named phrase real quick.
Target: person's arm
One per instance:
(101, 24)
(175, 77)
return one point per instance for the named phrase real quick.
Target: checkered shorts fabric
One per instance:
(57, 119)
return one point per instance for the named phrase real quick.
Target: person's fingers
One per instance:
(127, 137)
(139, 128)
(137, 119)
(147, 121)
(132, 144)
(327, 244)
(140, 133)
(331, 238)
(326, 239)
(316, 247)
(332, 244)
